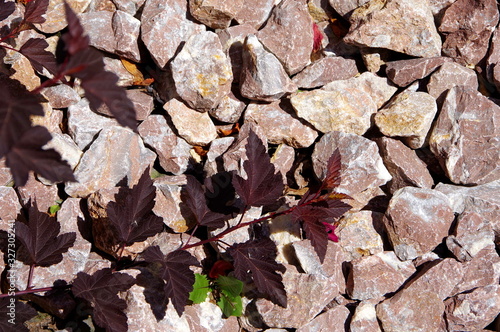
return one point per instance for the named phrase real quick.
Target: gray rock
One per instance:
(288, 34)
(201, 71)
(216, 14)
(115, 154)
(262, 75)
(465, 137)
(405, 26)
(405, 72)
(195, 127)
(324, 71)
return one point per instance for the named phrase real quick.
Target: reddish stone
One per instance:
(405, 72)
(324, 71)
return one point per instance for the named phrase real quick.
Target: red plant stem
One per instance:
(34, 290)
(191, 235)
(30, 276)
(242, 215)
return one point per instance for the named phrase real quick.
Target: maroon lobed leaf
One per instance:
(75, 40)
(41, 240)
(258, 257)
(194, 197)
(14, 313)
(6, 8)
(27, 154)
(34, 11)
(174, 271)
(263, 185)
(34, 50)
(333, 168)
(131, 213)
(101, 289)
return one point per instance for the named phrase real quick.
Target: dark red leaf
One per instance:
(318, 38)
(194, 197)
(101, 289)
(27, 154)
(174, 270)
(131, 213)
(41, 240)
(263, 185)
(330, 229)
(34, 50)
(220, 268)
(75, 40)
(333, 168)
(6, 8)
(258, 257)
(14, 314)
(35, 10)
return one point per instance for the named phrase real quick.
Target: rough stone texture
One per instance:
(283, 159)
(410, 116)
(288, 34)
(56, 16)
(357, 234)
(173, 152)
(195, 127)
(143, 103)
(97, 25)
(345, 7)
(9, 205)
(213, 163)
(116, 153)
(324, 71)
(465, 137)
(468, 25)
(229, 110)
(362, 167)
(346, 109)
(52, 119)
(60, 96)
(412, 311)
(473, 311)
(405, 72)
(164, 26)
(387, 24)
(45, 196)
(260, 11)
(5, 175)
(125, 78)
(216, 14)
(365, 318)
(404, 165)
(449, 75)
(262, 75)
(67, 148)
(129, 6)
(380, 89)
(492, 67)
(279, 125)
(126, 29)
(332, 320)
(24, 73)
(201, 71)
(417, 220)
(373, 276)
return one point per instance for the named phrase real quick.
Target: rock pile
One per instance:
(405, 89)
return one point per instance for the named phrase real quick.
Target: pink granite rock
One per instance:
(46, 196)
(417, 220)
(358, 236)
(279, 125)
(283, 159)
(114, 65)
(492, 66)
(195, 127)
(333, 320)
(345, 7)
(126, 30)
(229, 110)
(173, 152)
(373, 276)
(473, 311)
(365, 317)
(404, 165)
(467, 26)
(262, 75)
(143, 103)
(9, 205)
(60, 96)
(259, 13)
(213, 163)
(201, 72)
(97, 24)
(463, 137)
(5, 175)
(362, 166)
(164, 26)
(215, 14)
(129, 6)
(56, 16)
(402, 26)
(288, 34)
(449, 75)
(324, 71)
(405, 72)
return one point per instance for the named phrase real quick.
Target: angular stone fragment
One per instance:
(56, 16)
(129, 6)
(262, 75)
(143, 103)
(126, 29)
(357, 234)
(410, 116)
(283, 159)
(411, 310)
(45, 196)
(404, 165)
(288, 34)
(465, 137)
(125, 78)
(164, 26)
(405, 72)
(449, 75)
(279, 125)
(342, 109)
(173, 151)
(258, 15)
(373, 276)
(417, 220)
(334, 320)
(468, 25)
(213, 163)
(345, 7)
(473, 311)
(5, 174)
(67, 148)
(405, 26)
(359, 156)
(97, 25)
(115, 154)
(215, 14)
(201, 71)
(365, 318)
(492, 66)
(9, 206)
(195, 127)
(60, 96)
(229, 110)
(24, 73)
(324, 71)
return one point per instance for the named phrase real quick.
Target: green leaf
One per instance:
(230, 305)
(54, 208)
(231, 285)
(200, 289)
